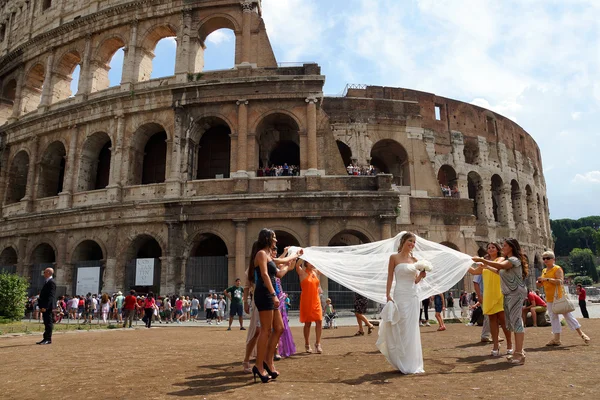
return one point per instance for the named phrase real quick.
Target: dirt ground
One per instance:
(205, 362)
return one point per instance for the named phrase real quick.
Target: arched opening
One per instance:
(52, 170)
(515, 197)
(475, 189)
(94, 170)
(108, 64)
(448, 181)
(290, 284)
(17, 178)
(345, 152)
(75, 80)
(498, 199)
(46, 4)
(460, 285)
(207, 266)
(42, 257)
(8, 261)
(213, 149)
(341, 296)
(150, 155)
(63, 76)
(7, 101)
(216, 46)
(88, 268)
(143, 268)
(31, 92)
(390, 157)
(531, 211)
(158, 54)
(278, 142)
(471, 151)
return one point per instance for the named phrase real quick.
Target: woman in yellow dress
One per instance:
(493, 300)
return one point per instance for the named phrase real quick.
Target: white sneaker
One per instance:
(470, 324)
(427, 324)
(421, 324)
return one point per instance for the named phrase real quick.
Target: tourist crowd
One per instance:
(279, 170)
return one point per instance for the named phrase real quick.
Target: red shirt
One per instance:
(149, 303)
(130, 302)
(582, 294)
(538, 300)
(179, 305)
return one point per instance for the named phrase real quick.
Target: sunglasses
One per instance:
(546, 258)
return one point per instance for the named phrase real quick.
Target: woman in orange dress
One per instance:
(310, 303)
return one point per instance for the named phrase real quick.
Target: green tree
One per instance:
(13, 296)
(582, 262)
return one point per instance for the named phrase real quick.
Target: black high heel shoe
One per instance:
(263, 378)
(273, 374)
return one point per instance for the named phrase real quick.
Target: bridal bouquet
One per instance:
(423, 265)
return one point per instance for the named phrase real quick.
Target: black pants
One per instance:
(425, 310)
(583, 308)
(149, 312)
(477, 313)
(48, 324)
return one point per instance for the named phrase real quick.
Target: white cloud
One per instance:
(589, 177)
(220, 36)
(576, 115)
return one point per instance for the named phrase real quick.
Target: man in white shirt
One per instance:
(208, 308)
(195, 306)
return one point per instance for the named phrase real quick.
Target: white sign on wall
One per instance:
(144, 272)
(88, 280)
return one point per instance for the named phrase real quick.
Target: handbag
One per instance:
(562, 305)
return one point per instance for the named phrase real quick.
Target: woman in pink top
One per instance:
(149, 305)
(178, 309)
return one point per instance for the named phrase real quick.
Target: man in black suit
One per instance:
(46, 302)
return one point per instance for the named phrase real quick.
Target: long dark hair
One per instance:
(498, 249)
(517, 252)
(265, 239)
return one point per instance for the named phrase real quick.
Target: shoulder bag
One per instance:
(562, 305)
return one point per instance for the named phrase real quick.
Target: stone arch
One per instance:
(102, 57)
(516, 200)
(148, 46)
(345, 152)
(17, 178)
(498, 204)
(8, 258)
(43, 256)
(475, 189)
(207, 266)
(467, 114)
(63, 75)
(448, 180)
(471, 150)
(264, 116)
(52, 170)
(390, 157)
(149, 152)
(87, 254)
(278, 136)
(7, 100)
(94, 163)
(31, 92)
(531, 208)
(211, 152)
(209, 25)
(145, 247)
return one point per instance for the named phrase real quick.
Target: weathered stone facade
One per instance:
(167, 168)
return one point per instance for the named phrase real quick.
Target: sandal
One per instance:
(585, 338)
(307, 348)
(359, 333)
(319, 348)
(518, 359)
(370, 329)
(246, 366)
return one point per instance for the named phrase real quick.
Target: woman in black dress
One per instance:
(263, 272)
(360, 308)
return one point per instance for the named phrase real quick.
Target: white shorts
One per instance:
(221, 313)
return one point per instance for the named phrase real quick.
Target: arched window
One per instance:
(279, 141)
(216, 48)
(88, 262)
(145, 252)
(211, 137)
(471, 151)
(157, 54)
(448, 181)
(42, 257)
(475, 187)
(108, 64)
(64, 78)
(516, 199)
(52, 170)
(7, 101)
(207, 267)
(17, 178)
(531, 207)
(390, 157)
(8, 261)
(498, 205)
(95, 158)
(46, 4)
(345, 152)
(150, 155)
(31, 93)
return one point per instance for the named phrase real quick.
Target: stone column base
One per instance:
(173, 189)
(65, 200)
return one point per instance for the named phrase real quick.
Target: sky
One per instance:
(534, 61)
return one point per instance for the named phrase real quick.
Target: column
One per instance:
(3, 174)
(66, 196)
(16, 111)
(183, 56)
(247, 8)
(31, 181)
(240, 248)
(64, 269)
(172, 269)
(115, 181)
(47, 85)
(386, 225)
(311, 121)
(86, 78)
(110, 266)
(130, 64)
(174, 178)
(507, 208)
(463, 186)
(242, 139)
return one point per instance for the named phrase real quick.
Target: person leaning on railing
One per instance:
(551, 278)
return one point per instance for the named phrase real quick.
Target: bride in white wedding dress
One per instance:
(399, 336)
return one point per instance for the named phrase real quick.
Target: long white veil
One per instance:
(364, 268)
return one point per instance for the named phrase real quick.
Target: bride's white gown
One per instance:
(399, 335)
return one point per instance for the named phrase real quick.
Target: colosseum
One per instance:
(159, 183)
